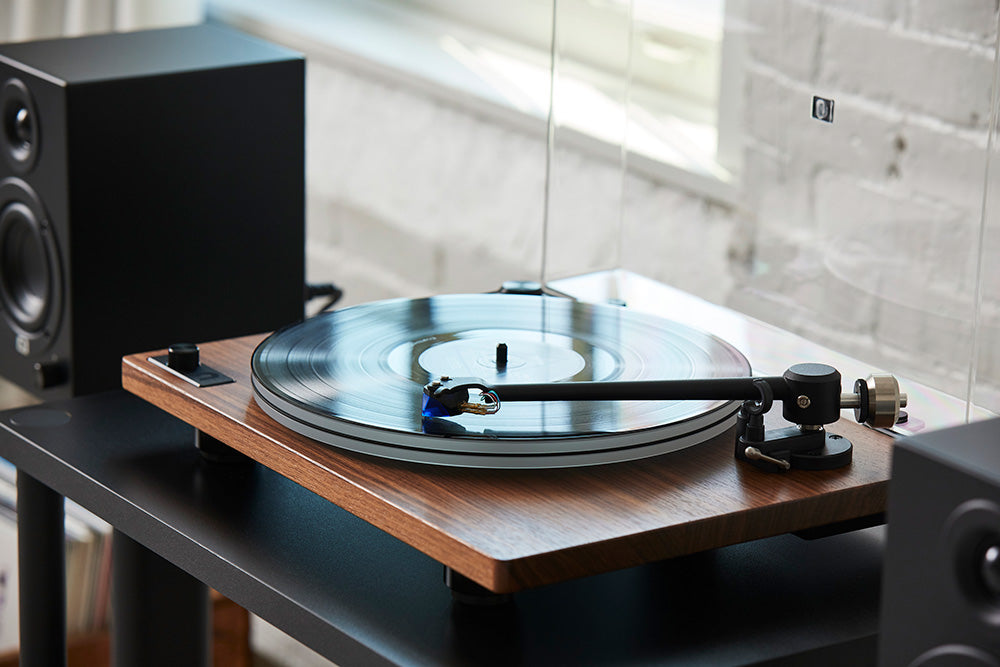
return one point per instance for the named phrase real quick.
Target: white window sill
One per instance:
(506, 82)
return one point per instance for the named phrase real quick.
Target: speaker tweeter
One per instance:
(973, 541)
(19, 141)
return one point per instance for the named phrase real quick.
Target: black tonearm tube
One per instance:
(810, 395)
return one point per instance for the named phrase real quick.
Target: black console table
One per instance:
(359, 596)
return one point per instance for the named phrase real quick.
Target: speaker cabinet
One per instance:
(151, 192)
(941, 582)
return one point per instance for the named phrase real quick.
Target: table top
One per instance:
(357, 595)
(510, 530)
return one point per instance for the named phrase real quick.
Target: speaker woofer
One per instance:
(20, 135)
(30, 275)
(24, 272)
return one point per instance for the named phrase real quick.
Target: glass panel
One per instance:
(855, 217)
(583, 190)
(865, 230)
(985, 373)
(861, 229)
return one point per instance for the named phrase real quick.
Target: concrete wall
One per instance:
(863, 234)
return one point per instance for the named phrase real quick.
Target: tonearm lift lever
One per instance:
(810, 395)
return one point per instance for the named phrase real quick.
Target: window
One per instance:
(498, 51)
(670, 110)
(676, 43)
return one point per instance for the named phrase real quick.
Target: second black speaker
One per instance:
(941, 581)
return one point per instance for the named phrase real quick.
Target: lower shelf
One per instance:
(230, 640)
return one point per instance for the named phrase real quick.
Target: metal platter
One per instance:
(354, 378)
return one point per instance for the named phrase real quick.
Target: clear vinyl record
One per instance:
(354, 379)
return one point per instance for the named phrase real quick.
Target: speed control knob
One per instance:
(183, 357)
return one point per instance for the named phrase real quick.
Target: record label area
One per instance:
(531, 355)
(354, 379)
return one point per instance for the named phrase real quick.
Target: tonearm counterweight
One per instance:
(810, 395)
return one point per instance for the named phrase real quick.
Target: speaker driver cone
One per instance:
(30, 276)
(24, 272)
(19, 128)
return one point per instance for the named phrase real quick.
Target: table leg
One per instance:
(41, 556)
(160, 614)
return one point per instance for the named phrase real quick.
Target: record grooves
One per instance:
(353, 379)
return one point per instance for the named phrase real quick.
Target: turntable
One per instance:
(509, 490)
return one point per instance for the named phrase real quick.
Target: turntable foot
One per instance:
(216, 451)
(466, 591)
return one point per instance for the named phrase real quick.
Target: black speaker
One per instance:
(151, 191)
(941, 581)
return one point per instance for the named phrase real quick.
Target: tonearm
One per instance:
(810, 395)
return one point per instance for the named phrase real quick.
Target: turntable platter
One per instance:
(353, 378)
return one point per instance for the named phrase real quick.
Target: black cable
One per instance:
(314, 291)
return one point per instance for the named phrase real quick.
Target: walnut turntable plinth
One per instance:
(514, 529)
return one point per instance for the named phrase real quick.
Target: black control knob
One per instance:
(50, 374)
(183, 357)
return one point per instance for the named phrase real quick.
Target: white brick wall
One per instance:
(862, 234)
(435, 200)
(906, 69)
(866, 230)
(967, 20)
(415, 202)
